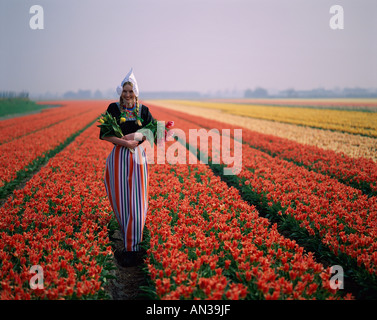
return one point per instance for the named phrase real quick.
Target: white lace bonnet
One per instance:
(131, 78)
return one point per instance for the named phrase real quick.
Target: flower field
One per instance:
(44, 134)
(207, 243)
(272, 231)
(15, 127)
(354, 146)
(345, 104)
(356, 122)
(357, 172)
(59, 221)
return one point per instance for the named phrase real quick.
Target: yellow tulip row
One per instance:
(355, 122)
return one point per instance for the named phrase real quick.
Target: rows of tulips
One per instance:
(17, 127)
(355, 122)
(19, 153)
(325, 103)
(354, 146)
(59, 221)
(341, 217)
(207, 243)
(360, 173)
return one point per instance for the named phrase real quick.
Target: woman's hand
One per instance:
(138, 136)
(125, 142)
(130, 136)
(132, 144)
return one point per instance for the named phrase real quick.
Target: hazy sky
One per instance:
(196, 45)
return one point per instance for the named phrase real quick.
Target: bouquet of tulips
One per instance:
(152, 131)
(110, 125)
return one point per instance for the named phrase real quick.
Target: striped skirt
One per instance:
(126, 182)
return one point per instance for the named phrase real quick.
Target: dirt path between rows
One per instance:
(127, 282)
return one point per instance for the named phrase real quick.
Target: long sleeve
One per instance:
(146, 116)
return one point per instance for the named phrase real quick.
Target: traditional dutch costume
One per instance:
(126, 175)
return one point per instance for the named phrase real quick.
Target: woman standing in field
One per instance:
(126, 173)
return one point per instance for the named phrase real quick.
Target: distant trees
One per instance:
(81, 94)
(289, 93)
(313, 93)
(257, 93)
(12, 95)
